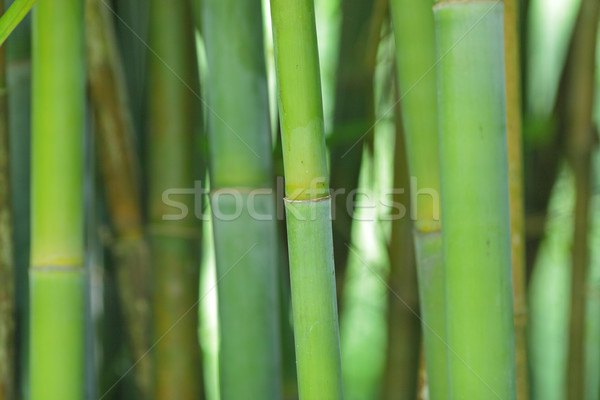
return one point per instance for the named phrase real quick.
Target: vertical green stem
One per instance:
(174, 240)
(57, 276)
(7, 261)
(354, 114)
(308, 206)
(476, 224)
(416, 61)
(579, 126)
(241, 175)
(18, 76)
(404, 330)
(515, 190)
(120, 171)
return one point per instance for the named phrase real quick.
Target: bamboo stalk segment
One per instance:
(174, 242)
(416, 62)
(57, 277)
(476, 223)
(308, 206)
(242, 202)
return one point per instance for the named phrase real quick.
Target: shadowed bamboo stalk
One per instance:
(476, 224)
(354, 115)
(404, 327)
(416, 60)
(579, 100)
(57, 277)
(175, 238)
(120, 171)
(241, 175)
(18, 80)
(308, 205)
(515, 190)
(7, 261)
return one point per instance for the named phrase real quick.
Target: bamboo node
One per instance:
(288, 200)
(448, 3)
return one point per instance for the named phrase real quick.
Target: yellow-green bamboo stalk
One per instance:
(57, 276)
(416, 61)
(174, 242)
(119, 166)
(404, 327)
(475, 203)
(7, 261)
(515, 190)
(240, 170)
(308, 205)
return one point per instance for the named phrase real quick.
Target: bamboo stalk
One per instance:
(241, 175)
(18, 76)
(476, 229)
(580, 78)
(515, 190)
(7, 260)
(404, 327)
(174, 242)
(120, 171)
(416, 60)
(353, 116)
(57, 277)
(308, 205)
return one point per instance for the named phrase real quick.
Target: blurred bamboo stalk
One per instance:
(241, 175)
(578, 103)
(404, 326)
(119, 166)
(354, 115)
(7, 260)
(307, 202)
(175, 239)
(515, 190)
(416, 61)
(475, 201)
(18, 79)
(57, 276)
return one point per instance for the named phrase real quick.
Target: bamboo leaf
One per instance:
(13, 16)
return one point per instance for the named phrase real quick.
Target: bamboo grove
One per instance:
(299, 199)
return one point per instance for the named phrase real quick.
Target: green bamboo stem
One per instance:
(416, 60)
(120, 171)
(476, 228)
(241, 173)
(515, 190)
(18, 76)
(404, 327)
(353, 115)
(7, 260)
(13, 16)
(57, 276)
(308, 206)
(174, 243)
(580, 78)
(592, 307)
